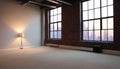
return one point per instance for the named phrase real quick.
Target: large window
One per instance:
(97, 20)
(55, 23)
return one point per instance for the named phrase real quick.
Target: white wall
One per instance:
(16, 18)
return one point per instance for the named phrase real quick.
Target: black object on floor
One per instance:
(97, 49)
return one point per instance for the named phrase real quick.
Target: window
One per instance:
(97, 20)
(55, 23)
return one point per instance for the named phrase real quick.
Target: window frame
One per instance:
(100, 18)
(57, 22)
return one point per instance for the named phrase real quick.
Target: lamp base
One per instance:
(21, 48)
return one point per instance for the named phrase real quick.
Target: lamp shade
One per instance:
(20, 34)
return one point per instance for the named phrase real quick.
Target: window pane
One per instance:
(51, 35)
(51, 27)
(59, 10)
(110, 35)
(90, 25)
(110, 2)
(90, 35)
(55, 26)
(51, 12)
(97, 35)
(104, 12)
(110, 23)
(55, 11)
(55, 34)
(55, 18)
(85, 15)
(85, 4)
(104, 35)
(85, 25)
(55, 23)
(59, 34)
(97, 24)
(90, 4)
(91, 16)
(97, 3)
(85, 35)
(104, 2)
(97, 13)
(59, 17)
(110, 10)
(59, 26)
(104, 23)
(51, 19)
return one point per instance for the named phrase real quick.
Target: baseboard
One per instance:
(53, 45)
(30, 46)
(112, 52)
(105, 51)
(75, 47)
(9, 49)
(19, 48)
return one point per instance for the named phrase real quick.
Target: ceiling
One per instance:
(48, 3)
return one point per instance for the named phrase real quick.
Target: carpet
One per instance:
(55, 58)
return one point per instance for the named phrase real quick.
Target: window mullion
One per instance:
(101, 20)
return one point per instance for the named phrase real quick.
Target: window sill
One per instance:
(97, 41)
(54, 39)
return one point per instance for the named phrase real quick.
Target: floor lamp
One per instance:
(21, 37)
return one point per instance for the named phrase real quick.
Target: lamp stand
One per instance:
(21, 38)
(21, 44)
